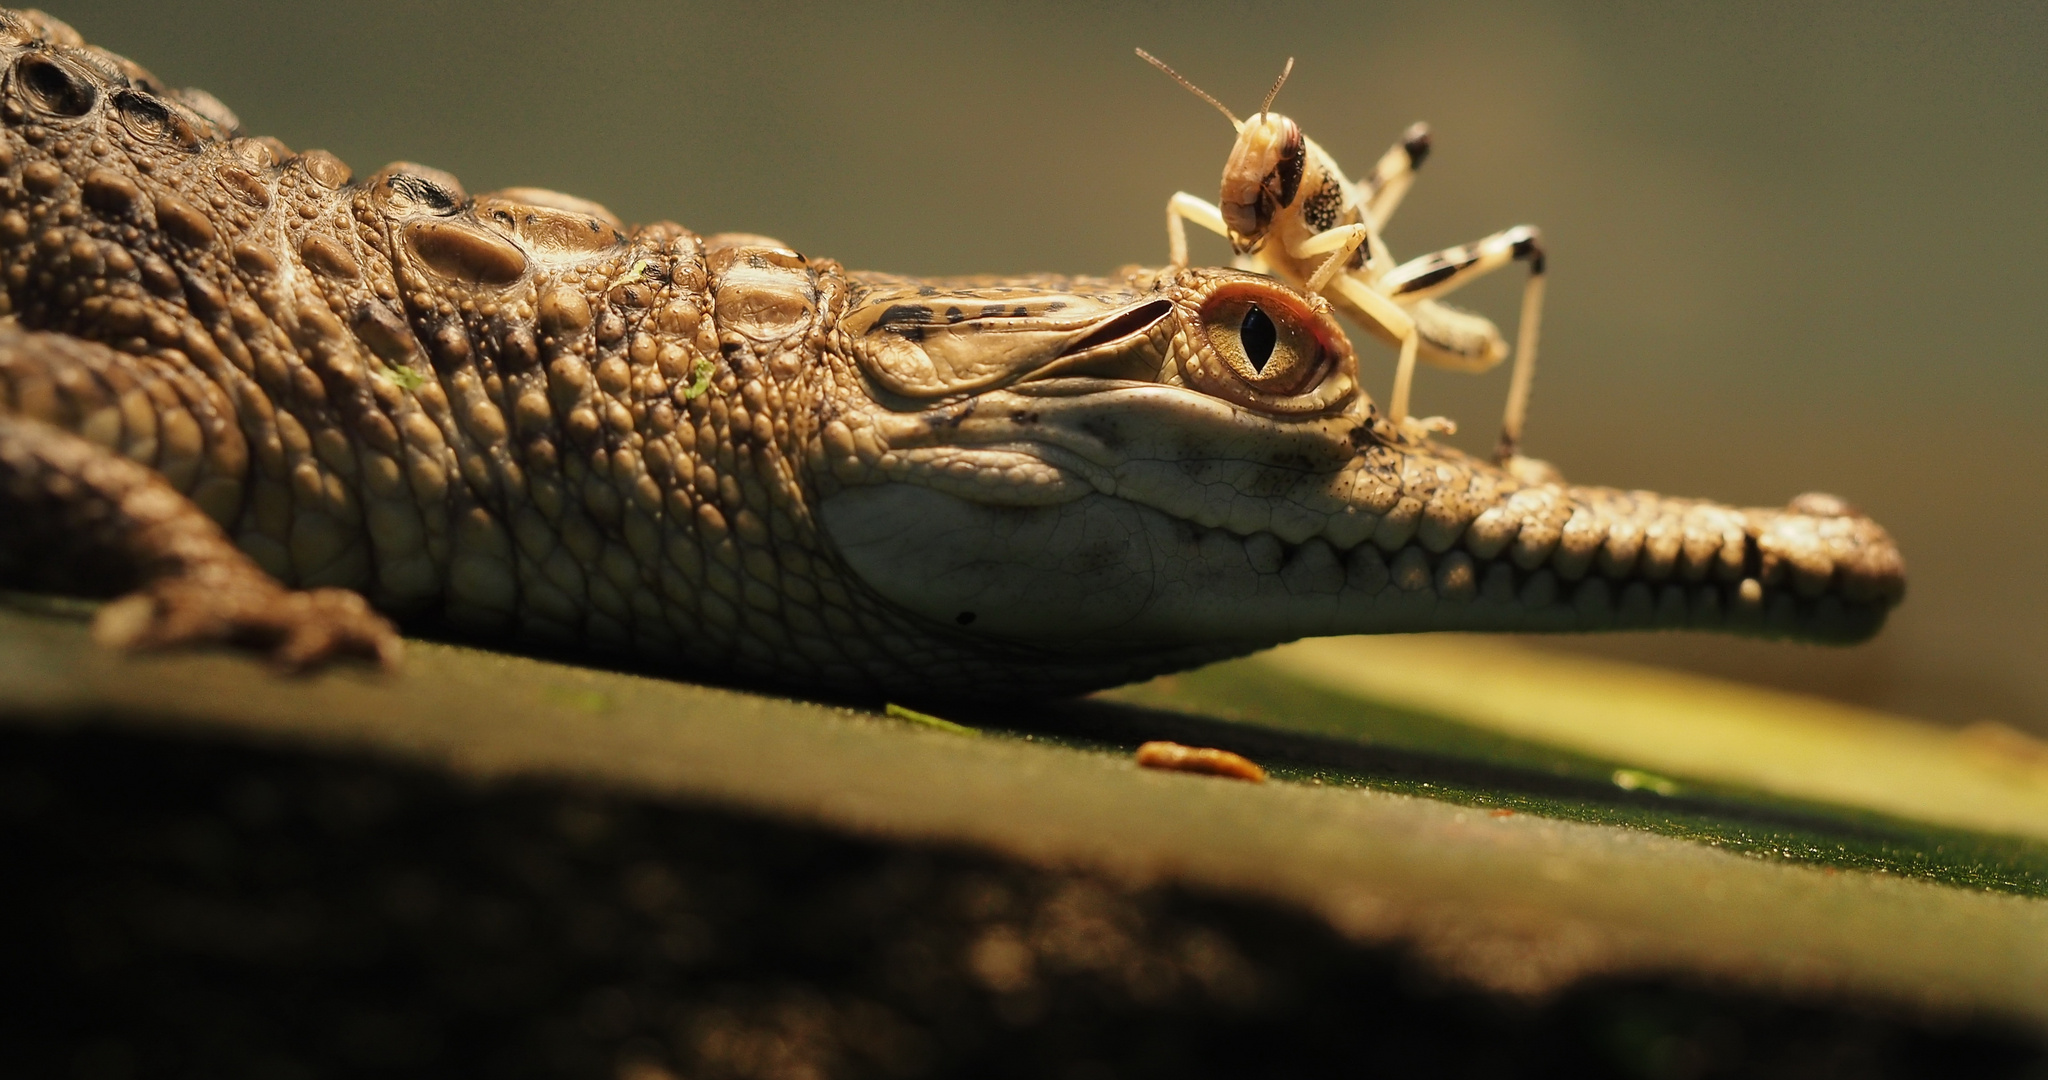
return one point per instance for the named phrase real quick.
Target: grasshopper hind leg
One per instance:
(1418, 281)
(1456, 339)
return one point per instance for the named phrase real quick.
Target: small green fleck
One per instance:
(406, 378)
(1638, 780)
(928, 720)
(700, 376)
(635, 273)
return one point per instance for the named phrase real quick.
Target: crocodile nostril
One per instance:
(410, 191)
(57, 88)
(147, 117)
(1259, 336)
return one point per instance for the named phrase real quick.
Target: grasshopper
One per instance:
(1288, 210)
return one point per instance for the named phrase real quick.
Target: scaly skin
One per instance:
(510, 417)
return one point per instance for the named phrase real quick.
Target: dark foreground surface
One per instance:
(193, 906)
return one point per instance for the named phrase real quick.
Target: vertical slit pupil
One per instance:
(1258, 335)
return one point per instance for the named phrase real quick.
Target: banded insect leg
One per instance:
(1383, 189)
(1434, 275)
(1359, 296)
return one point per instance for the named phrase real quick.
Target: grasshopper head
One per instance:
(1261, 178)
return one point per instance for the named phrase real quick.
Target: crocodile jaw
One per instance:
(1127, 520)
(1103, 572)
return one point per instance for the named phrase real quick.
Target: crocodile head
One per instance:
(1132, 474)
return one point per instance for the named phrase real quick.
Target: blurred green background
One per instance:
(1794, 247)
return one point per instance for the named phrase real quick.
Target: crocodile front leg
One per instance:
(78, 517)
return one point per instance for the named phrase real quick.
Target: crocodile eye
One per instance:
(1270, 348)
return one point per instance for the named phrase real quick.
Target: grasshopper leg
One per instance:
(1374, 305)
(1441, 272)
(1388, 183)
(1183, 208)
(1340, 243)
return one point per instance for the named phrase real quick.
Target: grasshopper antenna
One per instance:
(1266, 106)
(1198, 92)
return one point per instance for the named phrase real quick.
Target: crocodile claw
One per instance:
(298, 630)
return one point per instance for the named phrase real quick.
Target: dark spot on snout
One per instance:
(905, 320)
(951, 417)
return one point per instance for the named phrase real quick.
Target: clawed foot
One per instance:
(297, 630)
(1418, 429)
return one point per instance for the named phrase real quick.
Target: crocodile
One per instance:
(258, 400)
